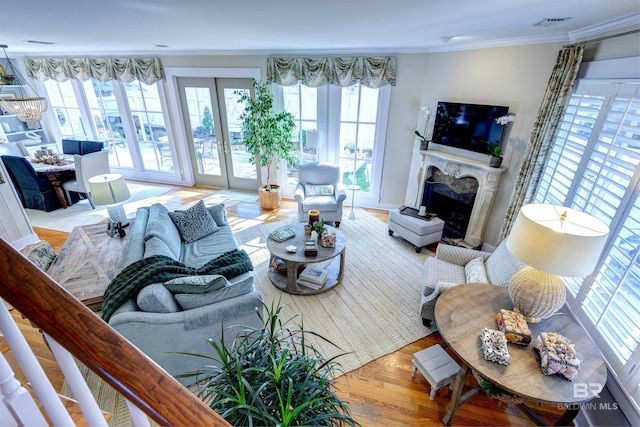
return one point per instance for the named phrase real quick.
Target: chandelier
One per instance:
(28, 109)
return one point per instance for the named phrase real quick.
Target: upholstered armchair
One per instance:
(35, 191)
(451, 267)
(319, 188)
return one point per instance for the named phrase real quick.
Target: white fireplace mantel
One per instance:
(459, 167)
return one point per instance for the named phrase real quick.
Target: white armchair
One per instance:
(446, 269)
(319, 188)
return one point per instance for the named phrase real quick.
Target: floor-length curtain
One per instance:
(544, 131)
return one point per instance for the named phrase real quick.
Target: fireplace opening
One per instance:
(451, 199)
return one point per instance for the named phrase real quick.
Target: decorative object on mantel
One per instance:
(425, 138)
(29, 109)
(553, 241)
(495, 149)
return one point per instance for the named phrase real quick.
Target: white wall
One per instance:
(510, 76)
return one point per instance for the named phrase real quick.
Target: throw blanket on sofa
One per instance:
(160, 268)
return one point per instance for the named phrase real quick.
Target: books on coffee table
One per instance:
(313, 277)
(282, 234)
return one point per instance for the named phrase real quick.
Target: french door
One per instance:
(211, 113)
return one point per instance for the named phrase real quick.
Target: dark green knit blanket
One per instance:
(159, 269)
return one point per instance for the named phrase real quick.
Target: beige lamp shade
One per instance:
(553, 241)
(557, 239)
(108, 189)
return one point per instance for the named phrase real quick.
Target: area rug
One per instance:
(81, 213)
(371, 313)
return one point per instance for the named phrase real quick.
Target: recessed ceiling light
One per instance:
(548, 22)
(39, 42)
(161, 45)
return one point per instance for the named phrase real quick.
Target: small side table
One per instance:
(353, 188)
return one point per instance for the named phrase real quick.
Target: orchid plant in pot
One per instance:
(494, 147)
(425, 138)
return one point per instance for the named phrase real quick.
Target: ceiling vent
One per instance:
(549, 22)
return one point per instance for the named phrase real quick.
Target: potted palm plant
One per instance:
(268, 137)
(271, 376)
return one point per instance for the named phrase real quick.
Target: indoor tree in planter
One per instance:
(271, 376)
(268, 137)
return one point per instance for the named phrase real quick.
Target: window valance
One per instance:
(372, 72)
(147, 70)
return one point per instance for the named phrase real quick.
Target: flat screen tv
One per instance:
(467, 126)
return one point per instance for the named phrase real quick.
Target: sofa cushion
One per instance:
(155, 298)
(157, 246)
(502, 265)
(160, 225)
(475, 272)
(196, 284)
(230, 290)
(194, 223)
(198, 253)
(218, 213)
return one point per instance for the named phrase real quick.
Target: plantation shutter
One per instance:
(594, 167)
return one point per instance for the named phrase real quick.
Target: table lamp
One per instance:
(111, 190)
(553, 241)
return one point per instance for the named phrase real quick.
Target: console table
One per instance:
(88, 261)
(464, 310)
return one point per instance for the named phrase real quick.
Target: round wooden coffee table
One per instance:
(288, 282)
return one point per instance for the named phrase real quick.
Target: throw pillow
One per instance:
(155, 298)
(231, 290)
(475, 272)
(318, 190)
(196, 284)
(219, 214)
(194, 223)
(40, 253)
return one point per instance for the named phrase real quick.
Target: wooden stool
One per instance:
(437, 367)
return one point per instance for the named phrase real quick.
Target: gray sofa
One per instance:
(160, 322)
(447, 269)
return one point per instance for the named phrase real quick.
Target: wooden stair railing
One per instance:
(94, 343)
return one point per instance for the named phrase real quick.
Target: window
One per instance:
(593, 167)
(63, 101)
(302, 102)
(357, 134)
(128, 117)
(351, 126)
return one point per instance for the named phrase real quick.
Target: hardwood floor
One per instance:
(383, 391)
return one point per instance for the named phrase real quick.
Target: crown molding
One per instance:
(612, 26)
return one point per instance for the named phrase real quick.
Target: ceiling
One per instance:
(299, 26)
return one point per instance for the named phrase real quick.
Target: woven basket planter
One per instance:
(502, 397)
(270, 199)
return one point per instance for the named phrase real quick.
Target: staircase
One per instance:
(50, 324)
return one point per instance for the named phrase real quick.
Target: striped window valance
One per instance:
(146, 70)
(372, 72)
